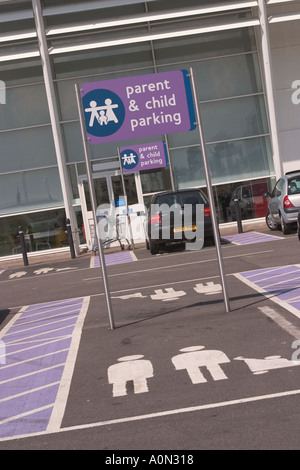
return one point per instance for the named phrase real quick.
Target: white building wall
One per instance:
(285, 51)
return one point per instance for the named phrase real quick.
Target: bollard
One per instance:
(238, 215)
(23, 246)
(70, 238)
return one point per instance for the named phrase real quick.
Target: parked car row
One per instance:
(167, 212)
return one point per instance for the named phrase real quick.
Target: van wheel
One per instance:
(153, 247)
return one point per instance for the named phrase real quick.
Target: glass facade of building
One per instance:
(226, 66)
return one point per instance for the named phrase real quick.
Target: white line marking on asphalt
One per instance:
(45, 343)
(27, 392)
(65, 383)
(31, 328)
(22, 415)
(272, 271)
(282, 322)
(32, 373)
(160, 414)
(12, 321)
(177, 265)
(269, 295)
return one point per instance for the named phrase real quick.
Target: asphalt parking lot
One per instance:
(177, 373)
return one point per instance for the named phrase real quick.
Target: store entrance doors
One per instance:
(109, 192)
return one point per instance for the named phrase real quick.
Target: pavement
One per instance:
(178, 372)
(64, 254)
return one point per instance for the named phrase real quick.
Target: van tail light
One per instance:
(155, 219)
(207, 211)
(287, 203)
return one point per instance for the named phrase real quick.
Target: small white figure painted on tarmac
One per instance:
(193, 358)
(169, 295)
(262, 366)
(130, 368)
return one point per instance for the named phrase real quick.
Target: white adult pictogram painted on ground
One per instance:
(193, 358)
(130, 368)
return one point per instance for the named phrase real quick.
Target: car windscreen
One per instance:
(180, 199)
(168, 199)
(193, 197)
(294, 185)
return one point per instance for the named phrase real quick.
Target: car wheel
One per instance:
(272, 225)
(286, 228)
(147, 245)
(153, 247)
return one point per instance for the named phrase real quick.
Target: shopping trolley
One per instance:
(120, 230)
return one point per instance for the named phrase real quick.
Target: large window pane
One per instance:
(249, 158)
(28, 190)
(188, 167)
(103, 62)
(42, 231)
(226, 77)
(18, 72)
(25, 106)
(155, 180)
(233, 119)
(228, 161)
(203, 46)
(25, 149)
(244, 198)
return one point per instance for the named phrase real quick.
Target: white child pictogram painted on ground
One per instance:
(170, 294)
(193, 358)
(210, 288)
(262, 366)
(130, 368)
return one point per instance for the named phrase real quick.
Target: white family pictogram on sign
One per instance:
(102, 114)
(129, 159)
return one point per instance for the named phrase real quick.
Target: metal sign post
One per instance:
(125, 195)
(210, 193)
(94, 205)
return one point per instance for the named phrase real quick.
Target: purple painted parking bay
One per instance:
(281, 284)
(37, 356)
(251, 237)
(120, 257)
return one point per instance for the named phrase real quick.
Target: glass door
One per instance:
(103, 196)
(102, 192)
(109, 191)
(130, 187)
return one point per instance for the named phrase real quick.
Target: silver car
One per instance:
(284, 203)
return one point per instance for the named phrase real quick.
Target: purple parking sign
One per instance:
(138, 107)
(144, 157)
